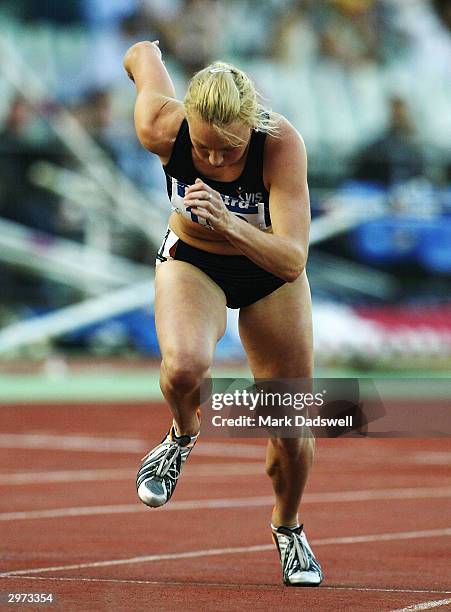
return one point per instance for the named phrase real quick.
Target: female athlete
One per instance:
(238, 237)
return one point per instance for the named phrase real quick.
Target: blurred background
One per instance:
(83, 207)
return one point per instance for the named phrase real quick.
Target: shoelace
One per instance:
(167, 460)
(298, 550)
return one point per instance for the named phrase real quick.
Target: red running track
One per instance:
(377, 513)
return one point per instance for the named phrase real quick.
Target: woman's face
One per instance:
(216, 149)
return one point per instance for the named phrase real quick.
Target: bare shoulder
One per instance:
(285, 152)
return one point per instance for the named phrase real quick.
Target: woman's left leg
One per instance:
(276, 333)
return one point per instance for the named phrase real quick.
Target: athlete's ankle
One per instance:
(191, 431)
(287, 520)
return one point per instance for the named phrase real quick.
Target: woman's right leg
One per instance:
(190, 316)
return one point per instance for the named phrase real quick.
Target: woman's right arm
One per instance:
(157, 113)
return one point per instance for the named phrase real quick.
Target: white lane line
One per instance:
(226, 585)
(195, 469)
(144, 559)
(230, 449)
(93, 444)
(239, 502)
(65, 476)
(427, 605)
(202, 504)
(72, 443)
(191, 470)
(387, 537)
(432, 457)
(369, 494)
(377, 537)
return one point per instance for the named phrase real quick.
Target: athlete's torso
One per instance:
(242, 189)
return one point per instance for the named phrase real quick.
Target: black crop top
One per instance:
(246, 197)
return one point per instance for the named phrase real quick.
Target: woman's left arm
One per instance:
(283, 252)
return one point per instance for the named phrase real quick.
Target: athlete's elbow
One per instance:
(293, 274)
(296, 267)
(146, 137)
(149, 136)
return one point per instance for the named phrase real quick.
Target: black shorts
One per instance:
(242, 281)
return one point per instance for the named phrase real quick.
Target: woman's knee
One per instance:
(184, 371)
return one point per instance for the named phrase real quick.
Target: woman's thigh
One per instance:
(277, 333)
(190, 312)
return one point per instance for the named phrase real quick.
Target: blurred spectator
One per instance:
(60, 13)
(427, 25)
(107, 14)
(195, 37)
(250, 28)
(18, 119)
(348, 30)
(112, 26)
(443, 10)
(94, 113)
(21, 145)
(294, 39)
(396, 156)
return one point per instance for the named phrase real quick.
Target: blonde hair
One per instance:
(221, 94)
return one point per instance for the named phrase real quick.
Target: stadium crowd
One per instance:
(367, 82)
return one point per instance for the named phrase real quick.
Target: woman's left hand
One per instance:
(207, 203)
